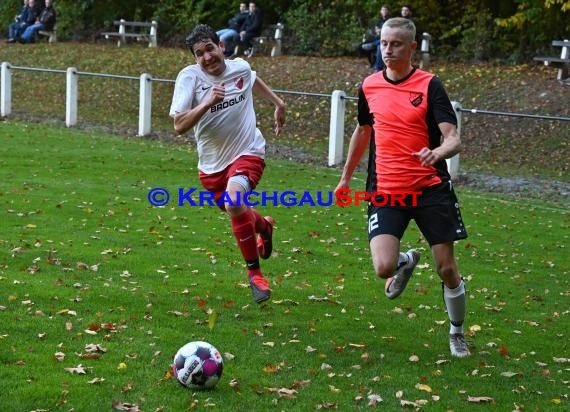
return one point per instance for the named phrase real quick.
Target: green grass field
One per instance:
(94, 279)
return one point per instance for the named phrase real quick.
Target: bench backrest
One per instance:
(153, 25)
(135, 23)
(565, 44)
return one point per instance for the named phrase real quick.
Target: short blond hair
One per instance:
(402, 23)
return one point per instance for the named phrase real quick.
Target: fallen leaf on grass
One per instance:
(327, 405)
(271, 368)
(234, 384)
(16, 250)
(90, 355)
(283, 392)
(177, 313)
(129, 386)
(479, 399)
(511, 374)
(334, 389)
(67, 312)
(79, 369)
(92, 347)
(96, 381)
(301, 384)
(124, 406)
(409, 404)
(374, 399)
(423, 387)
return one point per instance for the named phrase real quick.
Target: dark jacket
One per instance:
(30, 15)
(48, 18)
(252, 25)
(237, 21)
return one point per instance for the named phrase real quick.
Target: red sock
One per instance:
(244, 231)
(260, 223)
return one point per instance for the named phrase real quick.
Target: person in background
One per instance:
(45, 21)
(251, 28)
(230, 35)
(407, 122)
(214, 97)
(27, 16)
(371, 48)
(406, 11)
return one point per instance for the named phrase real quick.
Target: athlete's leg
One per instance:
(453, 296)
(385, 250)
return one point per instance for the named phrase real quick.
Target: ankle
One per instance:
(254, 272)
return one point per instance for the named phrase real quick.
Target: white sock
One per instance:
(403, 259)
(455, 303)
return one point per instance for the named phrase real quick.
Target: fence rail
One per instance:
(338, 100)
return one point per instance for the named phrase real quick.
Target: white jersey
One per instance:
(228, 130)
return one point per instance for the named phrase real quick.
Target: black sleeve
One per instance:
(364, 115)
(439, 103)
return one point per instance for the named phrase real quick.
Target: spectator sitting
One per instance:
(27, 16)
(45, 21)
(230, 35)
(251, 28)
(371, 48)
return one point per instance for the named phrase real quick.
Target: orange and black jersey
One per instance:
(404, 116)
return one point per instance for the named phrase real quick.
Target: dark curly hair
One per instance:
(201, 33)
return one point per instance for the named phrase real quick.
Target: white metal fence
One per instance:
(338, 100)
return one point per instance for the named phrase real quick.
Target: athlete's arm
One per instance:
(450, 146)
(184, 121)
(264, 91)
(443, 114)
(359, 142)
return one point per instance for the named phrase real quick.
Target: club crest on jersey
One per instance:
(239, 83)
(416, 99)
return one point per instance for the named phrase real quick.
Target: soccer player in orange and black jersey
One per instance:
(406, 120)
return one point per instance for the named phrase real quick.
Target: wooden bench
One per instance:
(137, 30)
(50, 34)
(562, 62)
(271, 36)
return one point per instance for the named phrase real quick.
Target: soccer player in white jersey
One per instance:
(215, 98)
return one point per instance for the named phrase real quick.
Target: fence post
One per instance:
(6, 90)
(71, 97)
(122, 30)
(145, 104)
(153, 34)
(563, 70)
(424, 49)
(276, 50)
(336, 129)
(453, 162)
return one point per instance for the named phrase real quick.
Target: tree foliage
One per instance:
(471, 29)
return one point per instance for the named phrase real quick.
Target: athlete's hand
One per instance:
(343, 186)
(279, 116)
(426, 156)
(217, 94)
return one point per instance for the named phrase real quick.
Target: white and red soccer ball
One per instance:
(198, 365)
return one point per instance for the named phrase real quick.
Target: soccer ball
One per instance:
(198, 365)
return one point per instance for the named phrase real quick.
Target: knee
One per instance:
(235, 208)
(448, 273)
(384, 269)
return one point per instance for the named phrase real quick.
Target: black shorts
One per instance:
(436, 213)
